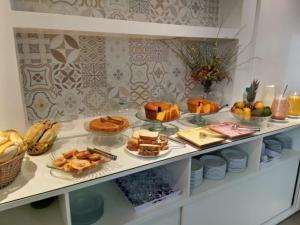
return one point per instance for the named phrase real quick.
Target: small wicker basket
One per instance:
(10, 170)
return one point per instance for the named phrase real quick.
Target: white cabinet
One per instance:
(248, 203)
(171, 218)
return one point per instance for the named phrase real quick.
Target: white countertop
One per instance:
(36, 182)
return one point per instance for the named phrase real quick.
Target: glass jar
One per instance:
(268, 95)
(294, 103)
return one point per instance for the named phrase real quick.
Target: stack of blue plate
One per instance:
(285, 140)
(214, 167)
(196, 173)
(273, 145)
(236, 160)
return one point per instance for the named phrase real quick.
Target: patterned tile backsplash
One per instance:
(182, 12)
(66, 75)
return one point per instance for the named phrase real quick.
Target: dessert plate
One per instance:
(103, 133)
(99, 171)
(161, 153)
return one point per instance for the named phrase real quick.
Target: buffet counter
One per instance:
(37, 181)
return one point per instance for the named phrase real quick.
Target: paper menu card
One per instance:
(200, 136)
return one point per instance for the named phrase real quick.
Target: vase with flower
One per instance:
(208, 63)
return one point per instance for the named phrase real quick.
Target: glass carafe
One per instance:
(280, 108)
(294, 103)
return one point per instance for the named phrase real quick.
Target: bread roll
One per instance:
(8, 151)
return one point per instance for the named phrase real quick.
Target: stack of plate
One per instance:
(236, 160)
(273, 145)
(197, 173)
(285, 140)
(214, 167)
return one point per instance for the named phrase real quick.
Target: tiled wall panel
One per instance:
(182, 12)
(66, 75)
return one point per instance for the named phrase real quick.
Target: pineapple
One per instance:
(252, 91)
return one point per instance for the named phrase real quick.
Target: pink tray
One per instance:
(227, 129)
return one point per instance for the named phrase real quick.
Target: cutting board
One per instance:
(194, 136)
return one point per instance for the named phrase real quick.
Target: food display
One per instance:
(247, 110)
(41, 136)
(147, 143)
(200, 136)
(232, 130)
(250, 110)
(11, 145)
(202, 106)
(76, 161)
(162, 111)
(109, 124)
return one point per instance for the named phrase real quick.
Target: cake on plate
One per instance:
(162, 111)
(202, 106)
(109, 124)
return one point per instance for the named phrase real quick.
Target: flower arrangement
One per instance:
(209, 61)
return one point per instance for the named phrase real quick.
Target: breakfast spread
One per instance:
(147, 143)
(162, 111)
(109, 124)
(41, 136)
(202, 106)
(75, 161)
(11, 145)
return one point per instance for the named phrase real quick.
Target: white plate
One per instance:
(161, 153)
(279, 121)
(294, 117)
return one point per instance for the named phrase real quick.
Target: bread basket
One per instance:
(10, 170)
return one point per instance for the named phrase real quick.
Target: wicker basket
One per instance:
(10, 170)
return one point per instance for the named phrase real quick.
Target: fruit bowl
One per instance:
(251, 113)
(255, 120)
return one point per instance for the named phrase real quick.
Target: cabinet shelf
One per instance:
(80, 24)
(27, 215)
(118, 210)
(211, 186)
(287, 155)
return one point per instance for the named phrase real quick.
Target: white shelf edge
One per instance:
(59, 22)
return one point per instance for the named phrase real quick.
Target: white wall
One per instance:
(11, 108)
(278, 43)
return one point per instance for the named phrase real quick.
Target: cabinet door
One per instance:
(250, 202)
(172, 218)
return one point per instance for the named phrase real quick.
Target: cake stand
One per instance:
(196, 120)
(108, 139)
(165, 128)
